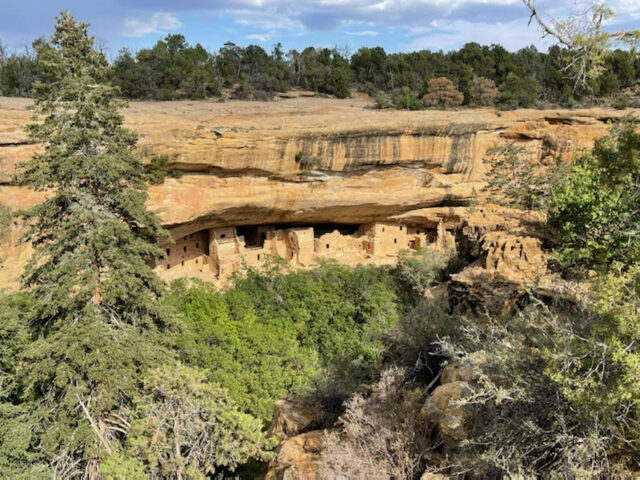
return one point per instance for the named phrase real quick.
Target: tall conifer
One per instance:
(96, 318)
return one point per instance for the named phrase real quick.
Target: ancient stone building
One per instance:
(215, 254)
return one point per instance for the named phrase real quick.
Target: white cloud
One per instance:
(259, 37)
(159, 22)
(452, 35)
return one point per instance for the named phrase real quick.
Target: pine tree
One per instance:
(96, 321)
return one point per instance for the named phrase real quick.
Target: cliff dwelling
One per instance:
(215, 254)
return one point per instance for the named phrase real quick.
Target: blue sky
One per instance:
(397, 25)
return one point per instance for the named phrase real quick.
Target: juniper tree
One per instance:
(95, 317)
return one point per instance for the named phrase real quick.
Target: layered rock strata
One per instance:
(308, 161)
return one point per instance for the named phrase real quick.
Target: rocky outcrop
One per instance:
(506, 260)
(299, 445)
(309, 160)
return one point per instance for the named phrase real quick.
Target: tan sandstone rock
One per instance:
(296, 458)
(415, 168)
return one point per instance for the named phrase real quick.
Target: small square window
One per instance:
(400, 227)
(327, 245)
(168, 266)
(222, 235)
(196, 260)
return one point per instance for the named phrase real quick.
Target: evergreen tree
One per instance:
(94, 314)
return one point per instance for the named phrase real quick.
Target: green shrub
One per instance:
(274, 333)
(307, 162)
(519, 92)
(405, 99)
(185, 426)
(621, 102)
(416, 271)
(594, 213)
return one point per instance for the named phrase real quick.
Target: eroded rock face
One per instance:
(293, 415)
(296, 458)
(308, 160)
(504, 249)
(299, 448)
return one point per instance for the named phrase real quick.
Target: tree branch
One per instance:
(105, 443)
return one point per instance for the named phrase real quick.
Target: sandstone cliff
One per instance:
(309, 160)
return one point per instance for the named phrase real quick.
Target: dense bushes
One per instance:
(483, 75)
(594, 213)
(275, 333)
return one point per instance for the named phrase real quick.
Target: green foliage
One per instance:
(256, 359)
(275, 333)
(519, 91)
(381, 101)
(518, 181)
(17, 73)
(156, 169)
(185, 427)
(405, 99)
(595, 362)
(543, 394)
(93, 314)
(170, 69)
(307, 162)
(5, 222)
(415, 272)
(621, 102)
(594, 212)
(173, 68)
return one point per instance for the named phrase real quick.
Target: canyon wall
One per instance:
(308, 161)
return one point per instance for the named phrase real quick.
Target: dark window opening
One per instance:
(383, 229)
(168, 252)
(400, 227)
(395, 240)
(168, 266)
(183, 263)
(327, 245)
(293, 254)
(251, 237)
(320, 229)
(197, 245)
(258, 256)
(184, 249)
(196, 260)
(222, 235)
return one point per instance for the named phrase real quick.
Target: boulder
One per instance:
(296, 458)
